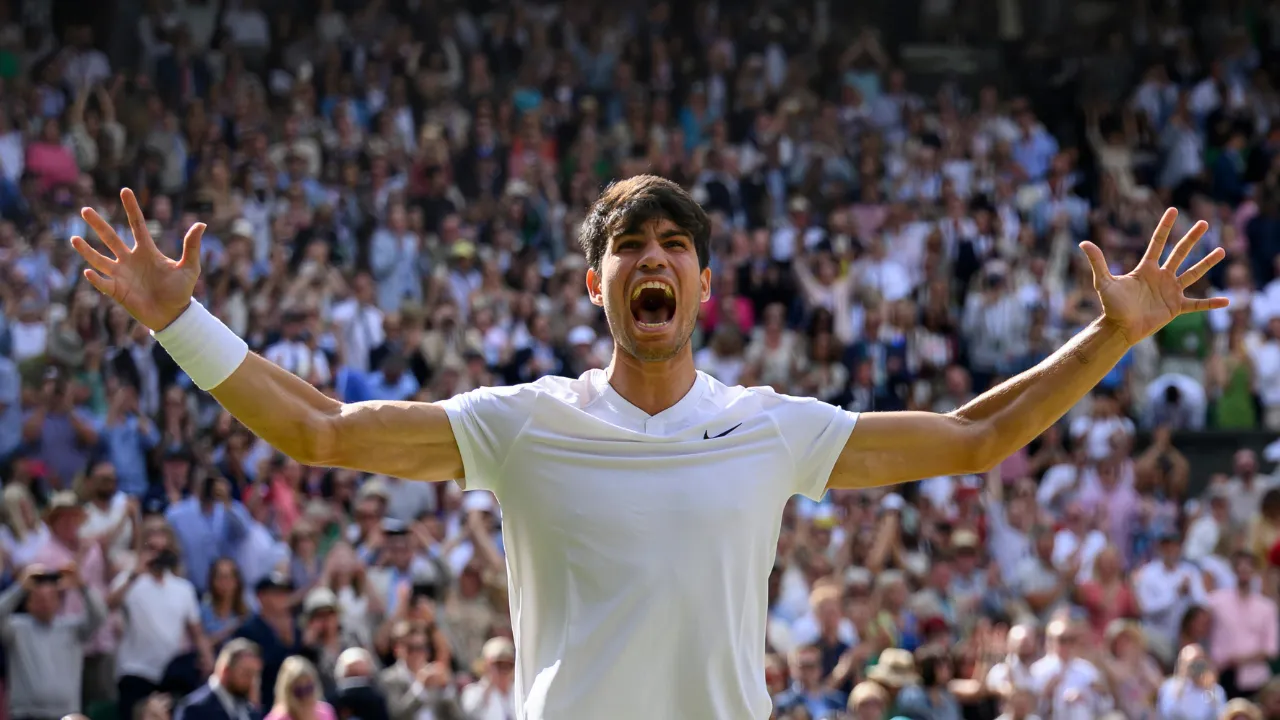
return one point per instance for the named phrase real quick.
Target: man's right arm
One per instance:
(410, 440)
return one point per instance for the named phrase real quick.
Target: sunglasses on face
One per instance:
(504, 665)
(302, 691)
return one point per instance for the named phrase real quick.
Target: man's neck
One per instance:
(652, 386)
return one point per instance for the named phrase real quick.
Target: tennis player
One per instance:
(641, 503)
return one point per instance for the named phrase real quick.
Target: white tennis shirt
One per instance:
(639, 547)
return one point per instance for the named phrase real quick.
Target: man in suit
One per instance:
(233, 691)
(416, 682)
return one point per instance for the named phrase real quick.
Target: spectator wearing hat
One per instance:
(322, 626)
(1246, 631)
(161, 621)
(209, 524)
(868, 701)
(493, 697)
(399, 566)
(895, 671)
(358, 695)
(233, 690)
(46, 649)
(419, 681)
(273, 628)
(1166, 588)
(65, 517)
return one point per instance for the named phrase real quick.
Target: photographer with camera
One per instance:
(46, 649)
(1193, 693)
(161, 624)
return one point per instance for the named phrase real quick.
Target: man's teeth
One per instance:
(665, 288)
(650, 325)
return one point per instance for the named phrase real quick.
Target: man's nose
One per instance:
(653, 257)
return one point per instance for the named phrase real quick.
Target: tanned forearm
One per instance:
(1012, 414)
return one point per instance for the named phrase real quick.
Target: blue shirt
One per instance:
(127, 446)
(1034, 153)
(377, 387)
(205, 537)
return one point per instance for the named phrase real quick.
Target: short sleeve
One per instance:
(486, 423)
(815, 433)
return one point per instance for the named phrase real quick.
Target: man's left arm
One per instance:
(889, 448)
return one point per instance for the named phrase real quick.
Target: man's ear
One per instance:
(593, 288)
(704, 278)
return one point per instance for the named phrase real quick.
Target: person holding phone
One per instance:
(1193, 693)
(46, 649)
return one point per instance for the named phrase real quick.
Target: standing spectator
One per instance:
(45, 651)
(1166, 588)
(62, 434)
(1193, 693)
(232, 690)
(209, 524)
(1246, 487)
(274, 630)
(161, 621)
(416, 683)
(1069, 686)
(129, 436)
(1246, 630)
(492, 698)
(358, 695)
(65, 548)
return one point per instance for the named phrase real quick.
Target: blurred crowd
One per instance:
(393, 190)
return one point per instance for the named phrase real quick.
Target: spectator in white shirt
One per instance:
(1166, 587)
(1069, 687)
(296, 351)
(491, 698)
(1193, 693)
(1014, 672)
(1210, 527)
(1266, 373)
(1103, 426)
(1246, 487)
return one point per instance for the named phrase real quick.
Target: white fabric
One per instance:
(157, 614)
(639, 547)
(206, 350)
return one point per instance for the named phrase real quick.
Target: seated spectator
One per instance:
(416, 683)
(493, 696)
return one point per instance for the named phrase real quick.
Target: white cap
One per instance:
(892, 501)
(242, 227)
(481, 500)
(582, 335)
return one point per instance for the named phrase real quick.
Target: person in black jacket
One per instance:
(358, 695)
(233, 690)
(275, 630)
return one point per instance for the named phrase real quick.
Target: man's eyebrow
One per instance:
(632, 232)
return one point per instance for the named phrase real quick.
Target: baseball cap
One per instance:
(321, 598)
(498, 649)
(964, 539)
(274, 581)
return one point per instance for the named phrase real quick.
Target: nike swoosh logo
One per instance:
(705, 436)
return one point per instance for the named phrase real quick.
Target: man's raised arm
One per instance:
(402, 439)
(888, 448)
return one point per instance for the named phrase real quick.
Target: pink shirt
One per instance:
(53, 164)
(1244, 625)
(54, 555)
(324, 711)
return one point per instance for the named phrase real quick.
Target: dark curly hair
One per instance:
(626, 205)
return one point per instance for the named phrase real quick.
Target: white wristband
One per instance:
(206, 349)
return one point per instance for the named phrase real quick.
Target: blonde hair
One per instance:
(16, 495)
(294, 668)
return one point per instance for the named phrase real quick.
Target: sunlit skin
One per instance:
(651, 367)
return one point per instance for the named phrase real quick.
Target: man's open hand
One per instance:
(153, 288)
(1145, 299)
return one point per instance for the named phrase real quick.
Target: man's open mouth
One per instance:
(653, 304)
